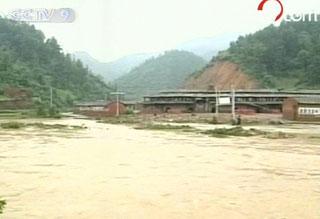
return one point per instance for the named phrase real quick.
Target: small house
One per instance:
(302, 109)
(14, 98)
(100, 108)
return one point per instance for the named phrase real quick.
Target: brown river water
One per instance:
(114, 171)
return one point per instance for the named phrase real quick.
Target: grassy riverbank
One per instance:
(236, 131)
(20, 125)
(2, 205)
(203, 118)
(270, 126)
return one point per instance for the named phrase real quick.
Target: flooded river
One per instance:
(113, 171)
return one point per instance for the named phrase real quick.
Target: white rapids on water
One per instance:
(114, 171)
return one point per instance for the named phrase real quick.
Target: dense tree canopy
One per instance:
(29, 60)
(287, 56)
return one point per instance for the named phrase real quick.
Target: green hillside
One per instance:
(287, 56)
(111, 71)
(167, 71)
(29, 60)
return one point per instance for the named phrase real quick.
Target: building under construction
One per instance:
(245, 101)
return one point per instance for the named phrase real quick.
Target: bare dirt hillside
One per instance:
(221, 75)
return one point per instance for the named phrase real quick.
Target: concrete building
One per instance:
(246, 101)
(302, 109)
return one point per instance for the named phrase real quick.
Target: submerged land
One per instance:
(168, 168)
(160, 165)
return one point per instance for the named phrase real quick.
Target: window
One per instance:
(309, 111)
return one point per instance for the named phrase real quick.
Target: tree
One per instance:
(27, 60)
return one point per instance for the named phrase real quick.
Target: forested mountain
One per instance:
(167, 71)
(203, 47)
(113, 70)
(287, 56)
(28, 60)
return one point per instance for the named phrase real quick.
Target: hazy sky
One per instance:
(110, 29)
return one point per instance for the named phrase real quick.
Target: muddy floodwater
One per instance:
(114, 171)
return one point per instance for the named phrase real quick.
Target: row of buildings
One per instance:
(295, 105)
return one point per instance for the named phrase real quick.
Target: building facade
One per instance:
(302, 109)
(246, 101)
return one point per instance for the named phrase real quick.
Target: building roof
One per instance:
(239, 93)
(308, 100)
(94, 103)
(129, 102)
(103, 103)
(266, 91)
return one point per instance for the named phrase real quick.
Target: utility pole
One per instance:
(118, 112)
(233, 104)
(117, 94)
(217, 103)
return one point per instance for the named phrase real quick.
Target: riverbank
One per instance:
(205, 118)
(270, 126)
(259, 125)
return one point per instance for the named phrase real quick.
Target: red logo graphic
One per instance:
(260, 8)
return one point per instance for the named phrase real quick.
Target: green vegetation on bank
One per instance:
(20, 125)
(151, 126)
(168, 71)
(28, 60)
(235, 131)
(38, 112)
(2, 205)
(284, 57)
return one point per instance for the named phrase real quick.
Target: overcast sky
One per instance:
(110, 29)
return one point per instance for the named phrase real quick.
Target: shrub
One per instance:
(236, 131)
(11, 125)
(2, 204)
(41, 111)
